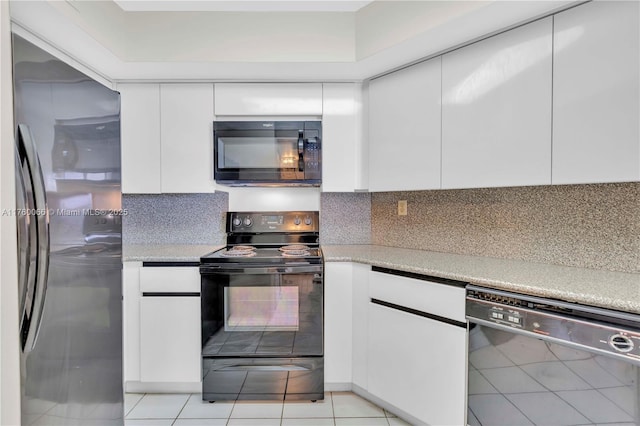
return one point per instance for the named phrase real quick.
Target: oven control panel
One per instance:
(265, 222)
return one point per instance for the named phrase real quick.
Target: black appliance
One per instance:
(538, 361)
(268, 153)
(262, 310)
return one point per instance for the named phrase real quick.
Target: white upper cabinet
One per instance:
(342, 162)
(596, 127)
(167, 139)
(496, 110)
(268, 99)
(186, 113)
(404, 129)
(140, 138)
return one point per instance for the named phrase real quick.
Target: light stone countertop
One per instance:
(166, 252)
(607, 289)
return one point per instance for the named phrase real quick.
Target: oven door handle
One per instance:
(261, 270)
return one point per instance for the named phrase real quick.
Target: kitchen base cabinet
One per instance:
(416, 356)
(162, 328)
(360, 324)
(337, 325)
(170, 339)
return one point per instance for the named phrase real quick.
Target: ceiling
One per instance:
(241, 5)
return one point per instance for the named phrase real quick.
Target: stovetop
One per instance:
(263, 255)
(268, 238)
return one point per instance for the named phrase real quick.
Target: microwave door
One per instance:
(268, 156)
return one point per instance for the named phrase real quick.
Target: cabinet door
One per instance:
(404, 129)
(140, 138)
(170, 339)
(342, 150)
(131, 320)
(360, 325)
(496, 112)
(267, 99)
(418, 365)
(337, 323)
(187, 137)
(596, 114)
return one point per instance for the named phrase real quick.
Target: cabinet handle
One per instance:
(419, 313)
(172, 294)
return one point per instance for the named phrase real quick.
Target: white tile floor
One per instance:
(337, 409)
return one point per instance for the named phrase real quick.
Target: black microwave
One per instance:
(268, 153)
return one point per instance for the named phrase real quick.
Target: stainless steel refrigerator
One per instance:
(69, 241)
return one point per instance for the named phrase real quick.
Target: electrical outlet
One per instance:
(402, 208)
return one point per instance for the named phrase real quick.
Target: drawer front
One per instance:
(170, 279)
(434, 298)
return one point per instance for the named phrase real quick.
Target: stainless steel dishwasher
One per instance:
(536, 361)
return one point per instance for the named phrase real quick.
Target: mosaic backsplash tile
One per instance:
(592, 226)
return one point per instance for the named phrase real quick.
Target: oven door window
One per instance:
(248, 314)
(273, 308)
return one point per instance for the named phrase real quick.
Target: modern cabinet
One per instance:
(346, 310)
(343, 165)
(404, 129)
(161, 328)
(268, 99)
(167, 139)
(596, 93)
(338, 279)
(140, 138)
(417, 347)
(131, 322)
(496, 110)
(360, 324)
(170, 324)
(186, 135)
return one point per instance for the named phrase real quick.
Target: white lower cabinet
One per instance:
(170, 338)
(417, 359)
(162, 342)
(337, 325)
(360, 325)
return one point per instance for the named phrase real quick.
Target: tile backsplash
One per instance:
(174, 218)
(593, 226)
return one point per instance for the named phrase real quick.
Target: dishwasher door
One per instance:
(516, 379)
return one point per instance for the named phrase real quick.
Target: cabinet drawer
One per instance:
(170, 279)
(445, 300)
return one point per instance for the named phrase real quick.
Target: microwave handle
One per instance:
(300, 151)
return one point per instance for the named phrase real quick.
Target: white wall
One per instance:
(9, 356)
(272, 199)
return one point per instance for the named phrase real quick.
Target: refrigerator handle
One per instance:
(27, 250)
(41, 215)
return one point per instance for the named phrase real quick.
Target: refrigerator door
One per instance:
(70, 251)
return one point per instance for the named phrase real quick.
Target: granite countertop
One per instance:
(166, 252)
(607, 289)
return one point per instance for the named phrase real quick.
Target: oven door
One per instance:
(262, 311)
(262, 333)
(248, 154)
